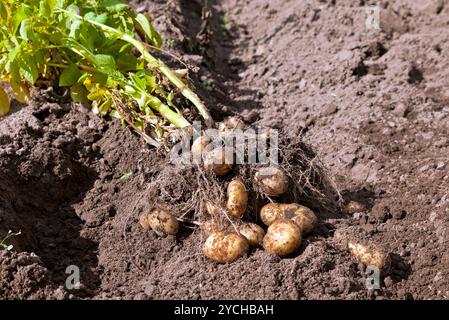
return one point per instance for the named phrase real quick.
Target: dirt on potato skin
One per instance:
(373, 103)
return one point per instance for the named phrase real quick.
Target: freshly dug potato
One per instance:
(163, 221)
(305, 219)
(273, 184)
(253, 233)
(217, 161)
(143, 221)
(270, 212)
(225, 246)
(230, 123)
(369, 254)
(4, 102)
(283, 237)
(237, 198)
(198, 146)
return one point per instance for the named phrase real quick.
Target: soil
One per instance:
(373, 103)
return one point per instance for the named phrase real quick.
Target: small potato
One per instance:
(273, 184)
(253, 233)
(198, 147)
(163, 221)
(305, 219)
(368, 254)
(218, 161)
(225, 246)
(283, 237)
(237, 198)
(230, 123)
(143, 221)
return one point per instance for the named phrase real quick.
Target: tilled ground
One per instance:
(373, 103)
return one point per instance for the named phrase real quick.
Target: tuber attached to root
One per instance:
(161, 221)
(212, 209)
(273, 183)
(218, 161)
(237, 198)
(283, 237)
(225, 247)
(253, 233)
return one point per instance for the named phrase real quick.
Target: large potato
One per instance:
(283, 237)
(305, 219)
(237, 198)
(163, 221)
(225, 246)
(273, 183)
(218, 161)
(253, 233)
(270, 212)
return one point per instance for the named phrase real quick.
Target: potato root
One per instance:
(212, 209)
(209, 227)
(225, 247)
(163, 221)
(273, 184)
(283, 237)
(253, 233)
(218, 161)
(237, 198)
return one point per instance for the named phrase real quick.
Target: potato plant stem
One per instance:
(162, 67)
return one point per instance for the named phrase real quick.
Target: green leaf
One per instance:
(114, 5)
(78, 93)
(151, 35)
(19, 15)
(105, 63)
(69, 76)
(28, 68)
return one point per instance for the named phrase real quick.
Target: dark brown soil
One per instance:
(374, 104)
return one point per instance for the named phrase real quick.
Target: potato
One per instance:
(253, 233)
(218, 161)
(163, 221)
(225, 246)
(273, 184)
(198, 146)
(301, 215)
(369, 254)
(305, 219)
(143, 221)
(4, 102)
(283, 237)
(270, 212)
(230, 123)
(237, 198)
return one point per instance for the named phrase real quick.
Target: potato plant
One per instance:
(100, 50)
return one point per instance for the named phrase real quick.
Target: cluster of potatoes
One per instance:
(286, 223)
